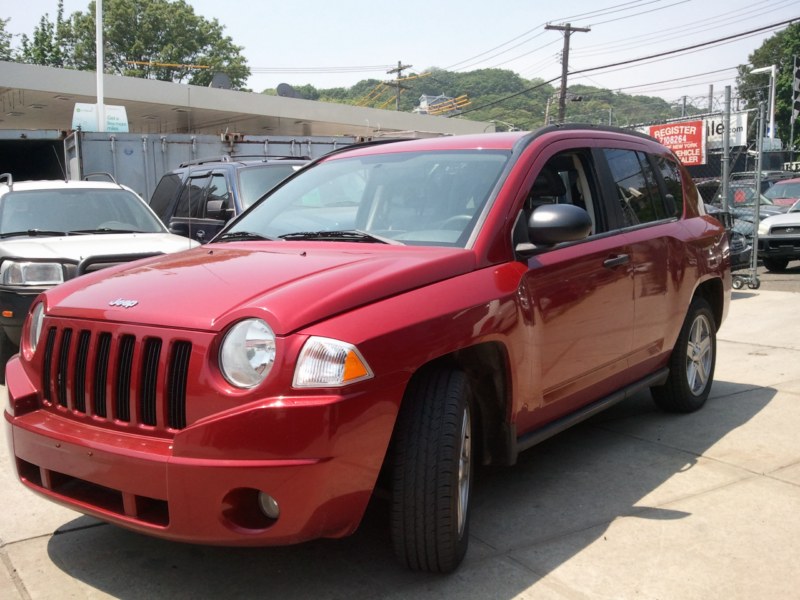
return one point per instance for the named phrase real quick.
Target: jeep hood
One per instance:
(289, 284)
(75, 248)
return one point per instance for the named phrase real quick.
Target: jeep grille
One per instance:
(125, 379)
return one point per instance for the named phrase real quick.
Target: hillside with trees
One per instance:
(503, 97)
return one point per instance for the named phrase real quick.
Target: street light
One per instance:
(771, 70)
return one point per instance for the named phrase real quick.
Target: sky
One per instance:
(331, 43)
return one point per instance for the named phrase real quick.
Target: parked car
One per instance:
(779, 239)
(785, 192)
(768, 178)
(199, 197)
(740, 233)
(393, 314)
(52, 231)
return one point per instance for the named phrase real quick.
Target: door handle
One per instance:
(616, 261)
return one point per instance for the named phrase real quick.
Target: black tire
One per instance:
(691, 366)
(775, 265)
(432, 471)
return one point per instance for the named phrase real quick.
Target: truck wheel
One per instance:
(432, 466)
(776, 265)
(691, 366)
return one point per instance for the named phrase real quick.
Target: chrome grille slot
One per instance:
(133, 379)
(101, 374)
(124, 367)
(47, 366)
(152, 353)
(176, 385)
(81, 361)
(61, 372)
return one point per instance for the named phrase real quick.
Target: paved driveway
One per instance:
(631, 504)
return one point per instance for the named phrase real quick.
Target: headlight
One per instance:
(324, 362)
(31, 273)
(35, 329)
(247, 353)
(763, 228)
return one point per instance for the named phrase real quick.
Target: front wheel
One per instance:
(775, 265)
(691, 365)
(432, 465)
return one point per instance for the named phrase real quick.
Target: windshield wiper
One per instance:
(234, 236)
(103, 230)
(32, 233)
(350, 235)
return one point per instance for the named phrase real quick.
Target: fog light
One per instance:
(268, 505)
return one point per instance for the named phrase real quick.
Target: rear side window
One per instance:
(163, 195)
(671, 174)
(189, 204)
(637, 187)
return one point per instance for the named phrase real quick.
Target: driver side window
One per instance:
(567, 178)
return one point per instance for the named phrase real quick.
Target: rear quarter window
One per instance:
(163, 195)
(639, 191)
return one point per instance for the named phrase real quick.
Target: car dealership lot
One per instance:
(632, 504)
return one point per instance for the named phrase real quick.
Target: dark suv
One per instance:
(198, 198)
(390, 317)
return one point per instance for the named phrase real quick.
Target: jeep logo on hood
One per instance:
(122, 303)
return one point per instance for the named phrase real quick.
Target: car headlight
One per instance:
(247, 353)
(763, 228)
(35, 328)
(324, 362)
(31, 273)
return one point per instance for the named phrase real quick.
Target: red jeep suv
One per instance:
(409, 309)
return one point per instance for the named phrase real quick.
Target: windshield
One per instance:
(76, 210)
(783, 190)
(431, 198)
(254, 182)
(742, 195)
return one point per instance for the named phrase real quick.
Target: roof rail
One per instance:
(9, 179)
(100, 174)
(364, 144)
(228, 158)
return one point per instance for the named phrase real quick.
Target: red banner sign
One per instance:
(687, 140)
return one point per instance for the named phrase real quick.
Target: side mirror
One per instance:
(553, 224)
(214, 210)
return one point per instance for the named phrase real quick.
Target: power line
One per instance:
(472, 61)
(638, 60)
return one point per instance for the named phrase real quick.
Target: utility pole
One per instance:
(568, 31)
(399, 70)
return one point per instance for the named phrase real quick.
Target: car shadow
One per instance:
(561, 496)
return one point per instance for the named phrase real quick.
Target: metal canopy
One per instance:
(34, 97)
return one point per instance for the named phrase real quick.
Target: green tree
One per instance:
(5, 42)
(778, 50)
(156, 39)
(49, 42)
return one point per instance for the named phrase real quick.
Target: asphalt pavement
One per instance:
(632, 504)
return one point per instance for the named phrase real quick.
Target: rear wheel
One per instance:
(432, 473)
(691, 366)
(776, 265)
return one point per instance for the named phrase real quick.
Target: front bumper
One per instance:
(14, 307)
(779, 247)
(202, 485)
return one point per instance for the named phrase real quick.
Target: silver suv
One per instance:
(52, 231)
